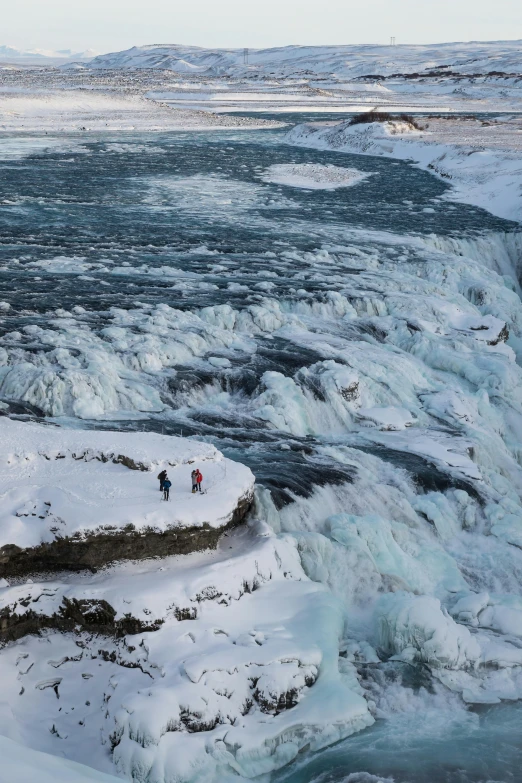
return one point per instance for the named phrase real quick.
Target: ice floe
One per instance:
(314, 176)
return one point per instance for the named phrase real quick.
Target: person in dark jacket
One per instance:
(162, 476)
(166, 488)
(194, 479)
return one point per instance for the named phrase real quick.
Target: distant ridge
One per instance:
(472, 58)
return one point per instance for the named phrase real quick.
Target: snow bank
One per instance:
(487, 178)
(57, 483)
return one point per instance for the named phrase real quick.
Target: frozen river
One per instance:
(347, 344)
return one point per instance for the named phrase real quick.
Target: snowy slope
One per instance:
(343, 61)
(20, 764)
(241, 673)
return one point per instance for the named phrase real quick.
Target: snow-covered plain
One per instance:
(135, 88)
(74, 110)
(473, 76)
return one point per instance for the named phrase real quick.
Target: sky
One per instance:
(112, 25)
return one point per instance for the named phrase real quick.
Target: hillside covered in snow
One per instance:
(350, 61)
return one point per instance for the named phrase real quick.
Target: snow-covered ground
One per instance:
(474, 76)
(74, 110)
(221, 682)
(481, 160)
(57, 483)
(111, 91)
(347, 61)
(238, 675)
(20, 764)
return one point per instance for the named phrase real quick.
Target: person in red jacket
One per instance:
(199, 479)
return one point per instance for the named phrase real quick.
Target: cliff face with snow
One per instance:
(83, 499)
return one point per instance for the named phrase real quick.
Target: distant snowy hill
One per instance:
(345, 61)
(11, 54)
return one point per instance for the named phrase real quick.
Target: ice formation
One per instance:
(313, 175)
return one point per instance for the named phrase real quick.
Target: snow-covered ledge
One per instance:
(74, 499)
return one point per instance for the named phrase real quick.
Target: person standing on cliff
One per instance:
(194, 479)
(166, 488)
(162, 476)
(199, 479)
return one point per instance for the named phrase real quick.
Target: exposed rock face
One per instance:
(101, 548)
(73, 615)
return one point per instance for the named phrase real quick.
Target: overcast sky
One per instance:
(110, 25)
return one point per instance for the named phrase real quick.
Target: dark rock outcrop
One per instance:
(96, 616)
(100, 548)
